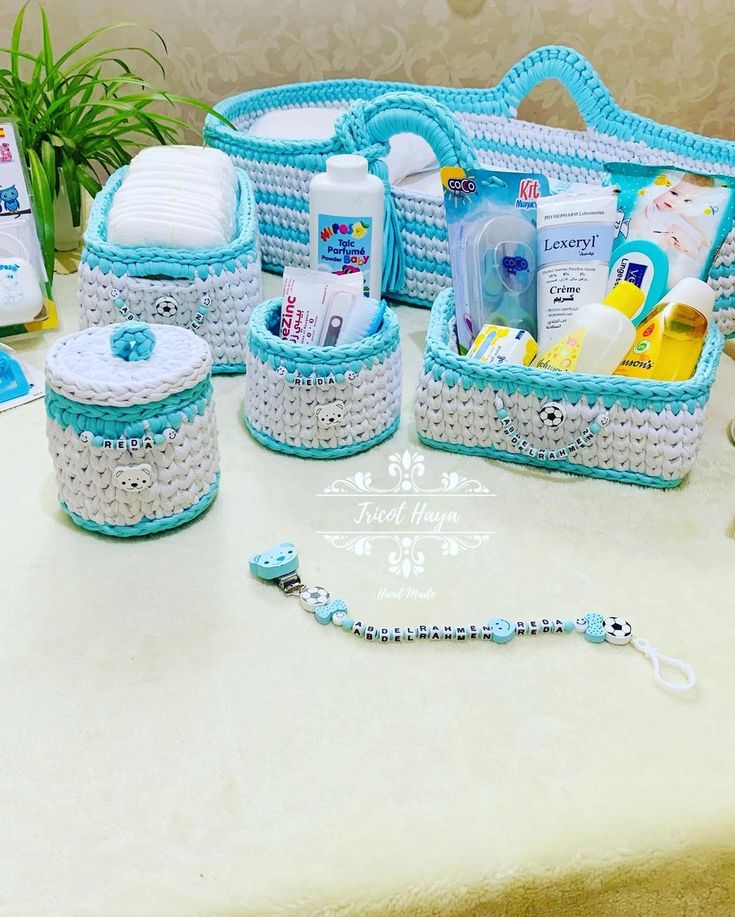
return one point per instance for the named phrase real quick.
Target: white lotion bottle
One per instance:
(346, 212)
(598, 336)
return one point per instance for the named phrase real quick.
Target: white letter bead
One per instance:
(370, 632)
(384, 635)
(487, 633)
(422, 632)
(473, 632)
(397, 634)
(409, 633)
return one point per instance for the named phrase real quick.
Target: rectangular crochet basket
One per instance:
(633, 430)
(131, 427)
(465, 127)
(210, 291)
(321, 402)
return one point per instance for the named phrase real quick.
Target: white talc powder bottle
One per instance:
(346, 211)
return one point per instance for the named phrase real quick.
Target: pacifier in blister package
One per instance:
(491, 220)
(501, 272)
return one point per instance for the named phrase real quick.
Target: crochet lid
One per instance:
(129, 363)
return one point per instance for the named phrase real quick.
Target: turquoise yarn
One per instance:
(148, 526)
(133, 341)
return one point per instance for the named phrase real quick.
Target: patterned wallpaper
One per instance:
(663, 58)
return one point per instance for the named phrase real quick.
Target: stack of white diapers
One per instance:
(176, 197)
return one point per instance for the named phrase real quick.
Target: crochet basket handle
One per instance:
(366, 128)
(554, 62)
(371, 125)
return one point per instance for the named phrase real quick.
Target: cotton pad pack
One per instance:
(685, 214)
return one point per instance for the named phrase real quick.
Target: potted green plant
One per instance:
(81, 114)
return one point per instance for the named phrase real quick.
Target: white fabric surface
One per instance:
(178, 738)
(408, 153)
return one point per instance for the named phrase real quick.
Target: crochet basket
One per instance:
(131, 427)
(321, 402)
(464, 127)
(632, 430)
(209, 291)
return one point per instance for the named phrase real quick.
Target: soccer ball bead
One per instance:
(617, 630)
(313, 596)
(166, 307)
(551, 414)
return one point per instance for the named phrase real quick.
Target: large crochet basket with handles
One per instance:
(464, 127)
(633, 430)
(209, 291)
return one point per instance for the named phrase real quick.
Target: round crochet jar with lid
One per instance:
(131, 427)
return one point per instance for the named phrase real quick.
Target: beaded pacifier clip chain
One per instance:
(280, 565)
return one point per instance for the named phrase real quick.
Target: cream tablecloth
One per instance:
(177, 738)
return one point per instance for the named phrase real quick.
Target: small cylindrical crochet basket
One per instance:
(209, 291)
(131, 427)
(631, 430)
(321, 402)
(465, 127)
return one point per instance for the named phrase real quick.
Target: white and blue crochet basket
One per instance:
(321, 402)
(464, 127)
(131, 427)
(633, 430)
(209, 291)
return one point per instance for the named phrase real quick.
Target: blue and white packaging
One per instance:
(574, 244)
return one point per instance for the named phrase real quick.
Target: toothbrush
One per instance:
(351, 317)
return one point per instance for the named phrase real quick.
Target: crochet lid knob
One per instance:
(133, 341)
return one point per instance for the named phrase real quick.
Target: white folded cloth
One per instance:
(408, 153)
(176, 197)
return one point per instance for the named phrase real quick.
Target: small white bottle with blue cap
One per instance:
(346, 212)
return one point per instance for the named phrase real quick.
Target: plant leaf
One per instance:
(43, 210)
(73, 191)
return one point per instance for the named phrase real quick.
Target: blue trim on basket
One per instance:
(112, 421)
(148, 526)
(321, 453)
(227, 369)
(628, 477)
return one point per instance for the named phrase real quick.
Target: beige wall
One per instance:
(664, 58)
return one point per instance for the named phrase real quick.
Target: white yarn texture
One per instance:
(290, 413)
(658, 444)
(82, 367)
(182, 471)
(232, 296)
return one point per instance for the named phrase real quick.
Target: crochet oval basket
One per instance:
(464, 127)
(321, 402)
(632, 430)
(131, 427)
(209, 291)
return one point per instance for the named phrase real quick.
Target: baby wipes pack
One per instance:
(686, 215)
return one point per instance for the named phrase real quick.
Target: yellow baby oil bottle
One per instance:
(669, 341)
(597, 336)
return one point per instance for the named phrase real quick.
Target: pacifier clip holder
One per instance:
(279, 565)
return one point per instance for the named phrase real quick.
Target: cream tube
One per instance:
(306, 299)
(574, 245)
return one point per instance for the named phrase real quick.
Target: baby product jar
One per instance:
(131, 427)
